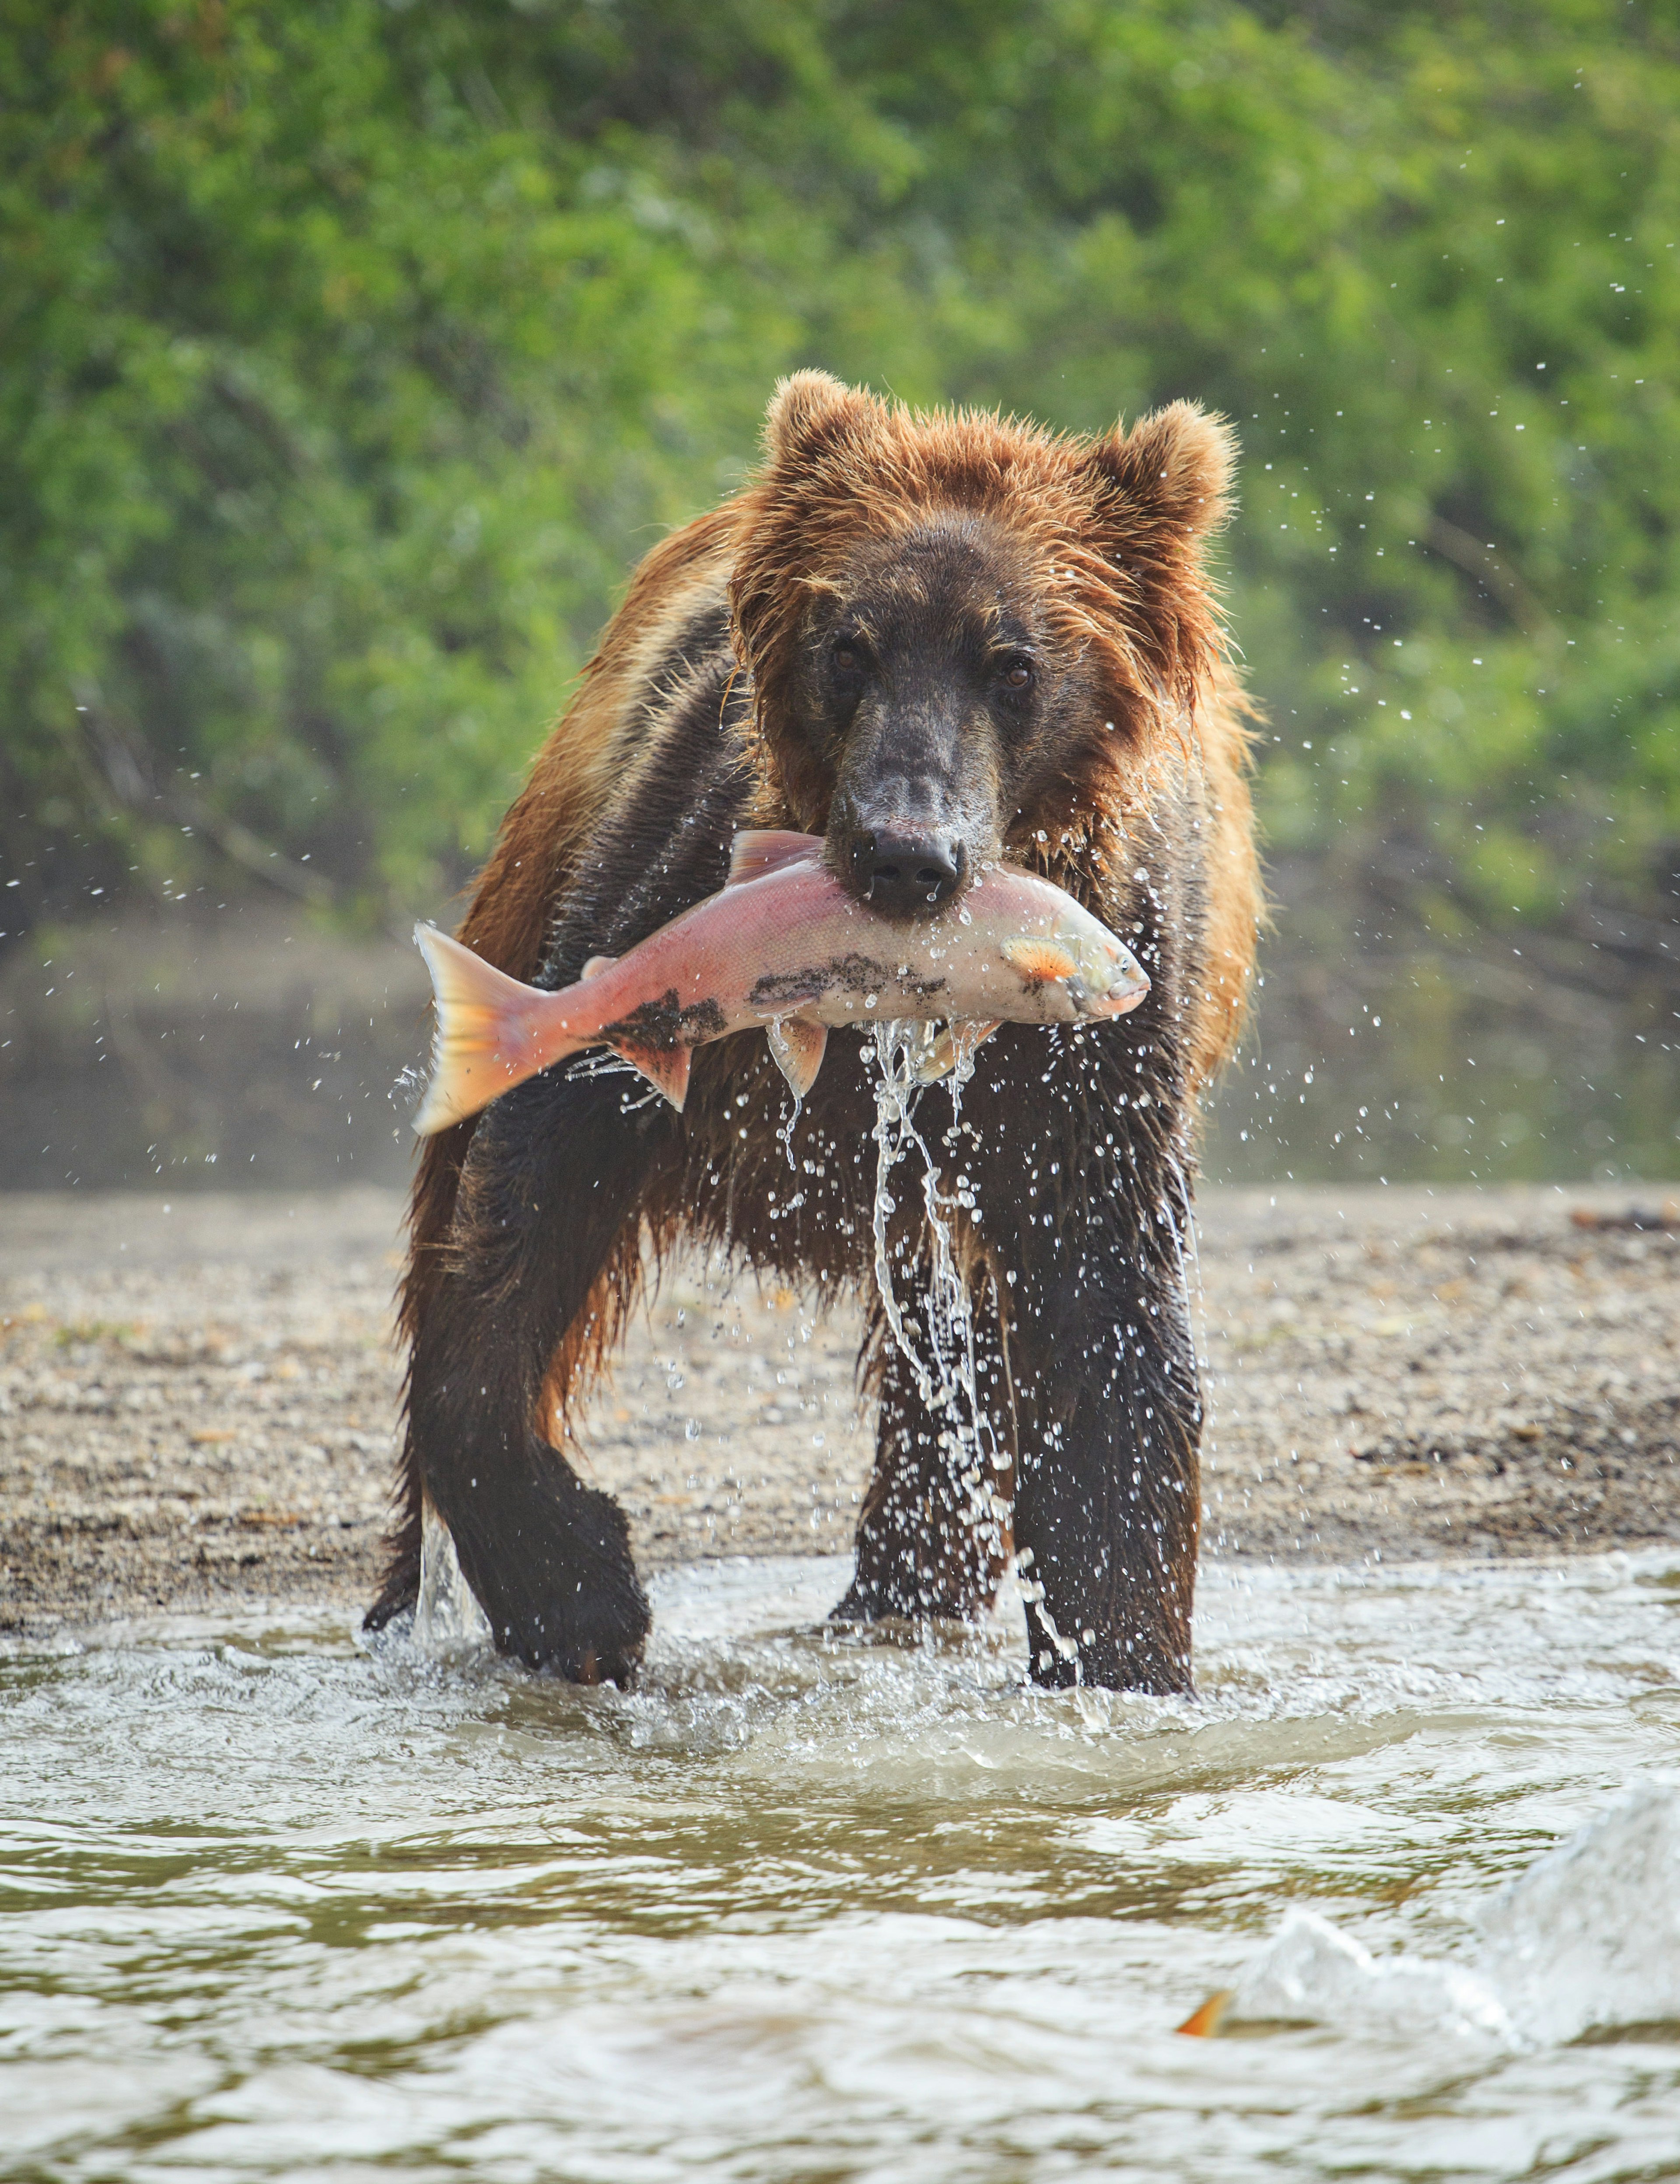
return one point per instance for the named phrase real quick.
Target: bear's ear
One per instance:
(809, 412)
(1175, 464)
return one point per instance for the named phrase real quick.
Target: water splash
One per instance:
(408, 1091)
(947, 1378)
(448, 1620)
(1312, 1973)
(1584, 1940)
(776, 1033)
(1589, 1935)
(803, 1889)
(606, 1061)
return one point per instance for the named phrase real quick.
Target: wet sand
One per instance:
(197, 1396)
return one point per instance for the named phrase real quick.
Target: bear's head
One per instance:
(964, 634)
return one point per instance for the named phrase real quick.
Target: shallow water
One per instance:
(816, 1907)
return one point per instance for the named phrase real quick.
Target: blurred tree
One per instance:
(350, 352)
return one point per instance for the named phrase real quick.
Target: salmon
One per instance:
(783, 949)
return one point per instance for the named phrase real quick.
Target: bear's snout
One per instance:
(904, 870)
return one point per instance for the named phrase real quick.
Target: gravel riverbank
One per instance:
(197, 1396)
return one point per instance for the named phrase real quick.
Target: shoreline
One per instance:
(198, 1405)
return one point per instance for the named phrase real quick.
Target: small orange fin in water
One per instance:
(487, 1037)
(1203, 2024)
(759, 850)
(798, 1049)
(595, 966)
(665, 1067)
(1041, 962)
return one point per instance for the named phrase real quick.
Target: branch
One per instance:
(125, 772)
(1478, 560)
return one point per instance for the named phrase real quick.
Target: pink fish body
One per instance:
(781, 948)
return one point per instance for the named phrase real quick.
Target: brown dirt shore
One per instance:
(197, 1395)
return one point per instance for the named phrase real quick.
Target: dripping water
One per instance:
(448, 1620)
(947, 1377)
(776, 1033)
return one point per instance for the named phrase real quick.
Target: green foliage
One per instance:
(350, 352)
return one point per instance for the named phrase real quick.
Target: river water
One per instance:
(817, 1906)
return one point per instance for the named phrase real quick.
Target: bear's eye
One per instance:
(1015, 673)
(846, 655)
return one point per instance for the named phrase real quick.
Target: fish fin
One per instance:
(595, 966)
(1039, 962)
(798, 1047)
(941, 1058)
(665, 1067)
(1203, 2024)
(760, 849)
(485, 1041)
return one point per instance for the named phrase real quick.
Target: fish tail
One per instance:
(490, 1033)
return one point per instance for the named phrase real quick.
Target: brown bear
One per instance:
(935, 640)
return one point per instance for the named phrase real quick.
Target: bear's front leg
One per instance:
(1108, 1498)
(554, 1176)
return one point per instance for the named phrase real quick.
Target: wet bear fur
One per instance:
(1005, 640)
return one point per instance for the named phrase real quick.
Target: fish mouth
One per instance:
(1125, 988)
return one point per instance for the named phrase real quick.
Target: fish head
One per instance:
(1105, 979)
(1098, 974)
(1109, 980)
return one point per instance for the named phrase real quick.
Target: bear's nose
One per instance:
(901, 871)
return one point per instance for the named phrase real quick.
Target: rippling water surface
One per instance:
(813, 1907)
